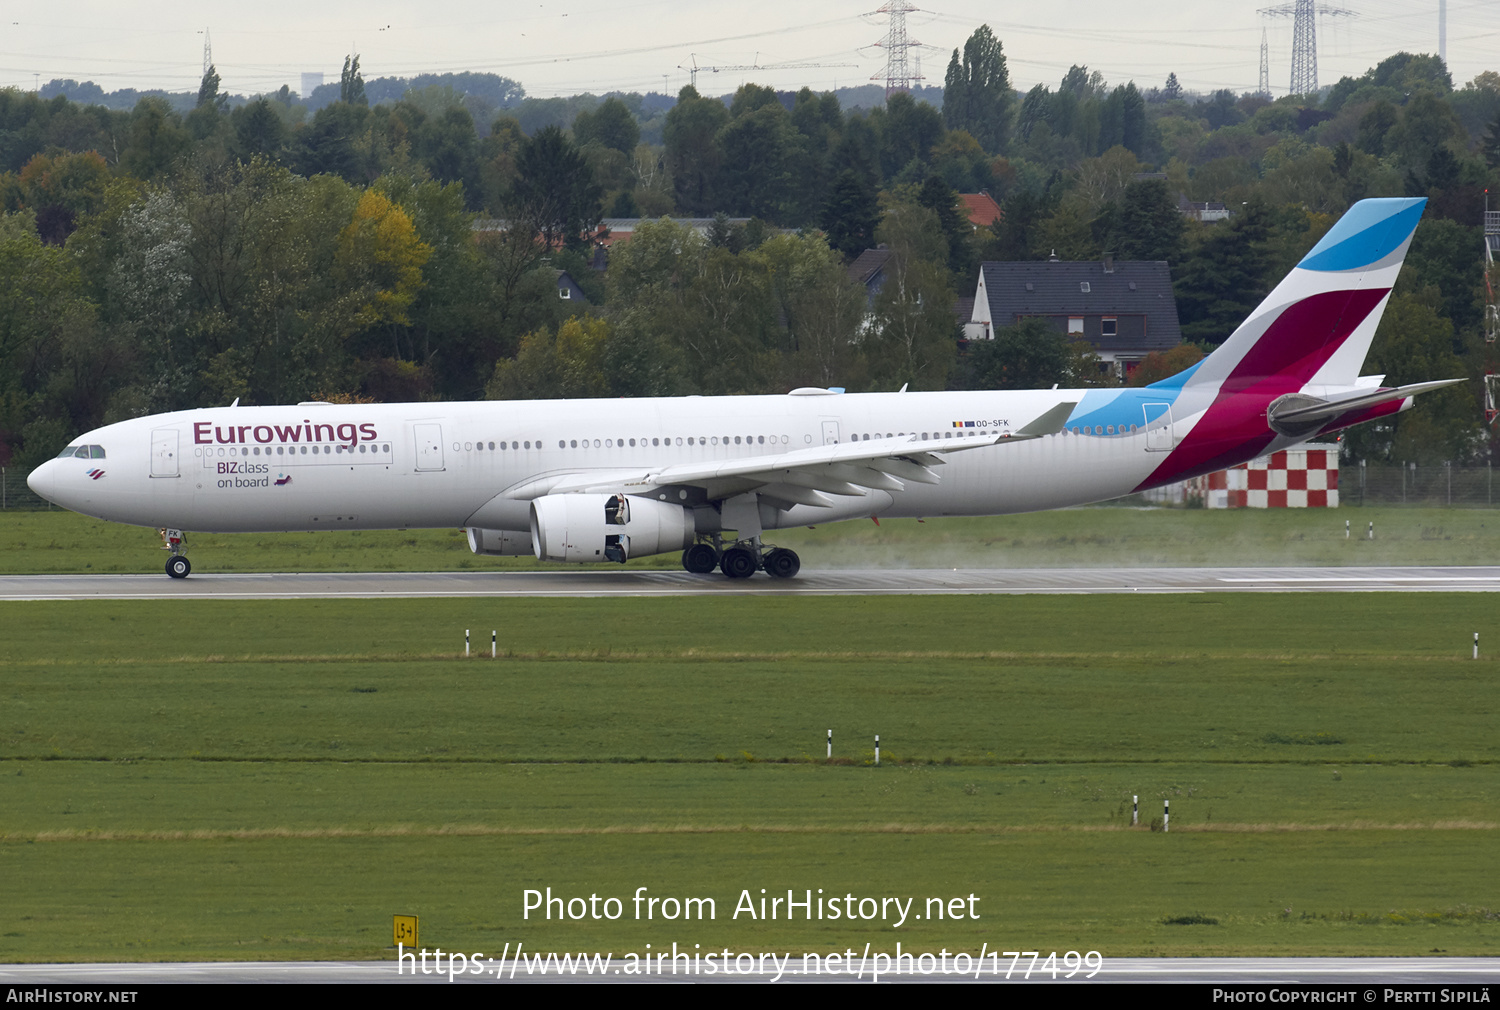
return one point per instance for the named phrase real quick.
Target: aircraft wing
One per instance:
(801, 476)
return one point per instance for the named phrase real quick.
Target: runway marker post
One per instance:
(877, 750)
(466, 643)
(830, 744)
(1372, 531)
(1135, 811)
(1346, 529)
(1166, 815)
(492, 643)
(1476, 645)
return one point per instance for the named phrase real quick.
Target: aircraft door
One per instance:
(429, 439)
(164, 452)
(1159, 438)
(830, 433)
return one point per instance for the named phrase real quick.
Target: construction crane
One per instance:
(757, 66)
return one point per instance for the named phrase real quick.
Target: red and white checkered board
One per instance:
(1294, 478)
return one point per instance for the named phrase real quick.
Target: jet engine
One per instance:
(606, 527)
(499, 543)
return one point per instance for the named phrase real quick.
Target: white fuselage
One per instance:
(384, 466)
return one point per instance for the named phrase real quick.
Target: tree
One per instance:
(757, 177)
(694, 155)
(1032, 354)
(1148, 226)
(380, 251)
(352, 83)
(555, 194)
(976, 92)
(912, 337)
(1415, 343)
(208, 91)
(258, 131)
(1225, 277)
(562, 365)
(1171, 91)
(851, 214)
(611, 125)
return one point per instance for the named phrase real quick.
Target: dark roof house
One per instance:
(1124, 308)
(868, 271)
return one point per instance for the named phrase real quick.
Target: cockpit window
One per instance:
(96, 452)
(82, 452)
(70, 451)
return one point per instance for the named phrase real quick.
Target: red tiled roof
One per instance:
(981, 209)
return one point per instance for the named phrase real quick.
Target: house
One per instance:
(981, 209)
(568, 289)
(1206, 212)
(1126, 309)
(868, 271)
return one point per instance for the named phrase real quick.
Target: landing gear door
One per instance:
(429, 439)
(1159, 437)
(164, 452)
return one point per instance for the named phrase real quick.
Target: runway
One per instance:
(1355, 973)
(914, 582)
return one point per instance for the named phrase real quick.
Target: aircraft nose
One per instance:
(43, 480)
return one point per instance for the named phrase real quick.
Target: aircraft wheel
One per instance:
(738, 563)
(782, 563)
(700, 559)
(178, 566)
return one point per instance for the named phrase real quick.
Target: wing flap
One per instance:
(841, 468)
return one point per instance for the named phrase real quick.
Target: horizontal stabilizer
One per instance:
(1298, 414)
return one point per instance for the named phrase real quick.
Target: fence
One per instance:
(1441, 485)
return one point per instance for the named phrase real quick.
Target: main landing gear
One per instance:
(741, 560)
(178, 566)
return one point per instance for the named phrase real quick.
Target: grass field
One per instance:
(55, 542)
(200, 779)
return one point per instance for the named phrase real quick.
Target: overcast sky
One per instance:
(561, 48)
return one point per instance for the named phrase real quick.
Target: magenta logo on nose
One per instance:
(96, 473)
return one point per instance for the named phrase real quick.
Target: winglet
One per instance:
(1050, 423)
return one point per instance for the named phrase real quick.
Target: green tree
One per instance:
(1224, 277)
(352, 82)
(258, 132)
(693, 152)
(976, 91)
(208, 91)
(564, 364)
(851, 214)
(1413, 344)
(555, 194)
(912, 336)
(1148, 226)
(1032, 354)
(610, 125)
(756, 176)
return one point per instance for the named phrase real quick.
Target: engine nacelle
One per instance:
(499, 543)
(606, 527)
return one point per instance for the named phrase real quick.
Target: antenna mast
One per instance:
(1304, 15)
(1265, 66)
(897, 73)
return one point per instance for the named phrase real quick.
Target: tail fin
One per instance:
(1315, 328)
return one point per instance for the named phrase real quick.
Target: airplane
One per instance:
(610, 480)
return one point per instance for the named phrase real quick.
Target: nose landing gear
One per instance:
(178, 566)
